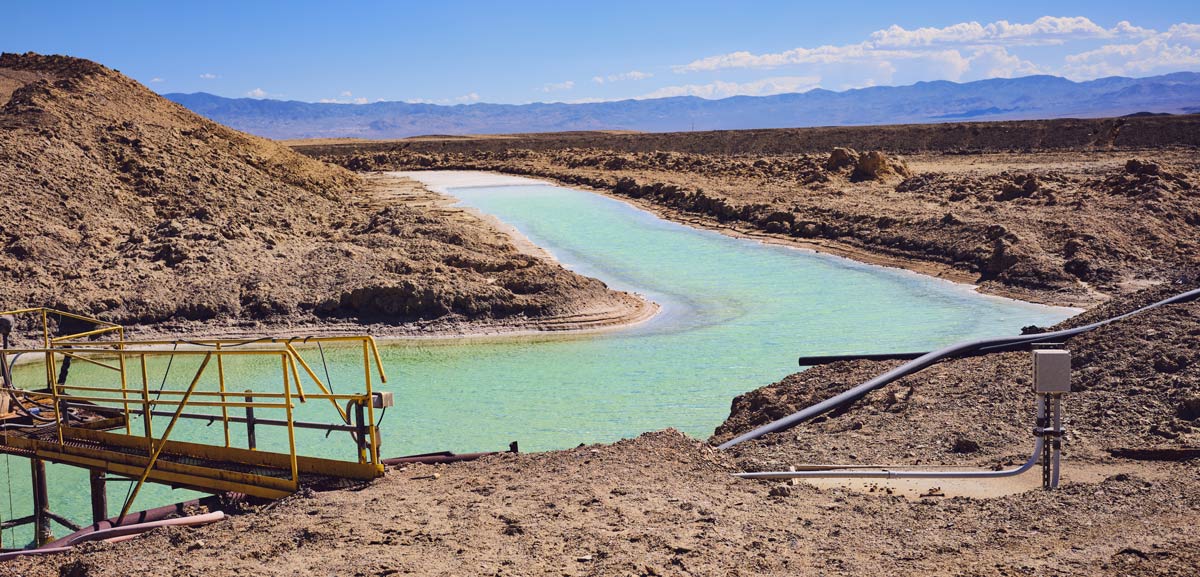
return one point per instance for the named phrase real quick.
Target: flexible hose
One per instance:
(988, 345)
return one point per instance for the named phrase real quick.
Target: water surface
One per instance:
(735, 316)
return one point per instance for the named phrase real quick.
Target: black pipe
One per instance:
(446, 456)
(826, 359)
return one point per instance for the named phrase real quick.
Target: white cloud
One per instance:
(1183, 32)
(156, 80)
(558, 86)
(257, 93)
(720, 89)
(971, 50)
(361, 100)
(996, 62)
(347, 94)
(467, 98)
(208, 76)
(631, 75)
(1044, 30)
(1152, 55)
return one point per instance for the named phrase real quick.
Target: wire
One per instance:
(328, 380)
(163, 384)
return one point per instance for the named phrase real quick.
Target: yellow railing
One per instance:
(117, 355)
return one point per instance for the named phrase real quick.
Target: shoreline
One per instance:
(634, 308)
(966, 281)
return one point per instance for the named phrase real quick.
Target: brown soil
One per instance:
(127, 206)
(1057, 227)
(664, 504)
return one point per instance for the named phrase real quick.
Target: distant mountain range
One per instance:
(941, 101)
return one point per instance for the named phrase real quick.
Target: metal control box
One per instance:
(1051, 371)
(382, 400)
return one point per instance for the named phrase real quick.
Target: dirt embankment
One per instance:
(124, 205)
(1066, 134)
(664, 504)
(1057, 227)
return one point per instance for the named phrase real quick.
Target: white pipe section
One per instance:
(115, 534)
(143, 527)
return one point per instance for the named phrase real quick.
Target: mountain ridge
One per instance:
(1023, 98)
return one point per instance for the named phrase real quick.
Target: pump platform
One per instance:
(119, 415)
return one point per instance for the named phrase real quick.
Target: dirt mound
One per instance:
(1136, 386)
(872, 165)
(123, 204)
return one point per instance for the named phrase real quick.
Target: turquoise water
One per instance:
(735, 316)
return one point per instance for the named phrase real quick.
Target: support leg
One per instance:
(99, 497)
(42, 532)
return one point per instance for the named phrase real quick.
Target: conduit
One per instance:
(124, 530)
(836, 473)
(120, 533)
(147, 516)
(980, 346)
(840, 472)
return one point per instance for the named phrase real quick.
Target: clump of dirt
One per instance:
(872, 165)
(127, 206)
(1146, 180)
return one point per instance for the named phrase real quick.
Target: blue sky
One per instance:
(523, 51)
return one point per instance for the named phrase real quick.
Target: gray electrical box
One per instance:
(1051, 371)
(382, 400)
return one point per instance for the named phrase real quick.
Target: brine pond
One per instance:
(735, 315)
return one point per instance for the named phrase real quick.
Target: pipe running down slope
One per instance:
(965, 348)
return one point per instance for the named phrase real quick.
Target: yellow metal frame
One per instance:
(99, 347)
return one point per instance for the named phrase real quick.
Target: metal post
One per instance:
(42, 532)
(1056, 442)
(1043, 423)
(99, 496)
(250, 422)
(221, 387)
(360, 432)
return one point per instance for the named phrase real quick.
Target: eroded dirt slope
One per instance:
(122, 204)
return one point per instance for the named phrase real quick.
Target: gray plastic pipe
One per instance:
(891, 474)
(993, 344)
(835, 472)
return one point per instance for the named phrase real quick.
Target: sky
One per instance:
(515, 51)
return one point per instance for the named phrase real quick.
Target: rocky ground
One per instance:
(666, 504)
(123, 205)
(1062, 227)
